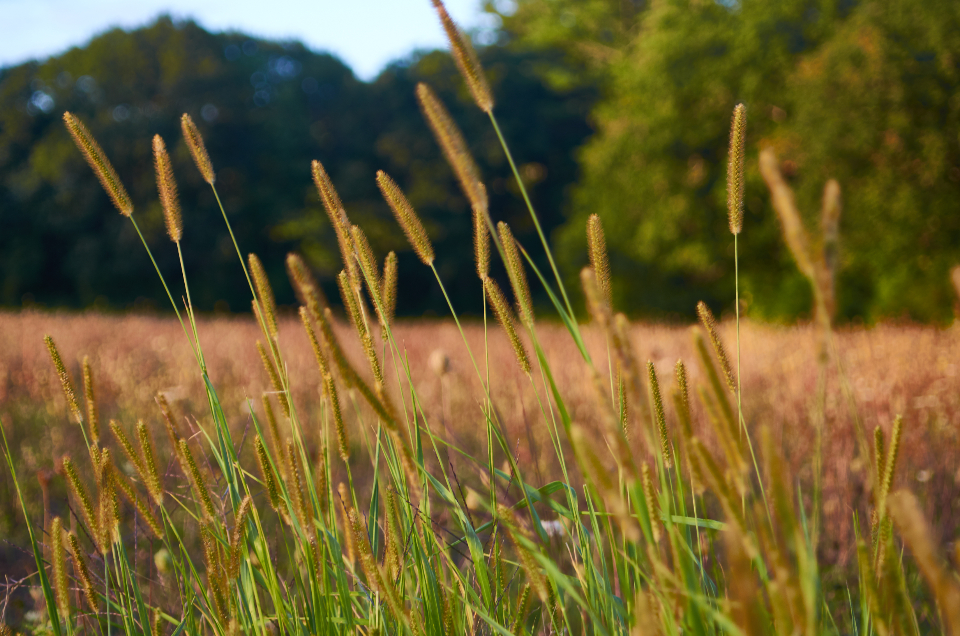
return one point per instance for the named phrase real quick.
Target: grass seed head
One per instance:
(738, 137)
(60, 568)
(389, 288)
(328, 194)
(454, 147)
(659, 415)
(169, 421)
(406, 217)
(83, 572)
(650, 498)
(599, 260)
(152, 477)
(481, 242)
(343, 441)
(65, 382)
(268, 303)
(80, 492)
(89, 394)
(274, 378)
(167, 189)
(353, 307)
(786, 207)
(505, 317)
(197, 148)
(269, 477)
(518, 276)
(189, 466)
(127, 489)
(308, 291)
(465, 57)
(710, 324)
(97, 160)
(368, 266)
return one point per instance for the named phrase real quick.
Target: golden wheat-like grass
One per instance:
(738, 141)
(198, 150)
(453, 146)
(98, 161)
(167, 190)
(599, 260)
(406, 217)
(389, 288)
(465, 57)
(505, 317)
(518, 275)
(268, 303)
(710, 325)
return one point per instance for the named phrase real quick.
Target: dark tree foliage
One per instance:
(266, 109)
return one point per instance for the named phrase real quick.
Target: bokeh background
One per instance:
(614, 107)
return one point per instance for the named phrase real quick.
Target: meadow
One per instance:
(549, 470)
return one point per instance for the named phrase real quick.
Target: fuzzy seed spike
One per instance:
(350, 301)
(191, 135)
(269, 478)
(89, 395)
(683, 393)
(60, 568)
(784, 203)
(296, 470)
(349, 549)
(659, 415)
(879, 452)
(890, 465)
(465, 57)
(274, 378)
(268, 303)
(599, 260)
(343, 441)
(389, 287)
(108, 506)
(650, 498)
(121, 436)
(65, 382)
(308, 291)
(273, 428)
(454, 147)
(368, 266)
(505, 317)
(152, 477)
(710, 324)
(239, 536)
(328, 193)
(97, 160)
(189, 466)
(406, 217)
(169, 421)
(167, 190)
(128, 491)
(481, 242)
(738, 137)
(83, 572)
(518, 276)
(80, 492)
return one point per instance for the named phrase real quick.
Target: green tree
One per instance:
(865, 92)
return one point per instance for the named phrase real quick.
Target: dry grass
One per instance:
(891, 369)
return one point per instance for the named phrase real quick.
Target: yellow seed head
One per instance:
(80, 492)
(454, 147)
(505, 317)
(189, 466)
(152, 477)
(98, 161)
(238, 537)
(353, 308)
(328, 194)
(710, 324)
(406, 217)
(466, 59)
(343, 442)
(93, 417)
(167, 189)
(347, 522)
(738, 137)
(83, 572)
(274, 378)
(599, 261)
(269, 478)
(682, 397)
(389, 287)
(650, 498)
(890, 465)
(370, 273)
(308, 291)
(659, 415)
(481, 242)
(126, 488)
(108, 506)
(268, 303)
(121, 436)
(65, 382)
(293, 456)
(169, 421)
(197, 149)
(880, 458)
(60, 568)
(273, 428)
(786, 207)
(622, 402)
(518, 276)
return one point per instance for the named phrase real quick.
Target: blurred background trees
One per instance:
(618, 107)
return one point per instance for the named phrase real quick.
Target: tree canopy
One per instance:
(866, 92)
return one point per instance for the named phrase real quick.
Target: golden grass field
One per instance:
(890, 369)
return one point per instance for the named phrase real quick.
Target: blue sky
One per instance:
(366, 34)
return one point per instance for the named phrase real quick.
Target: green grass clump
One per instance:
(651, 530)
